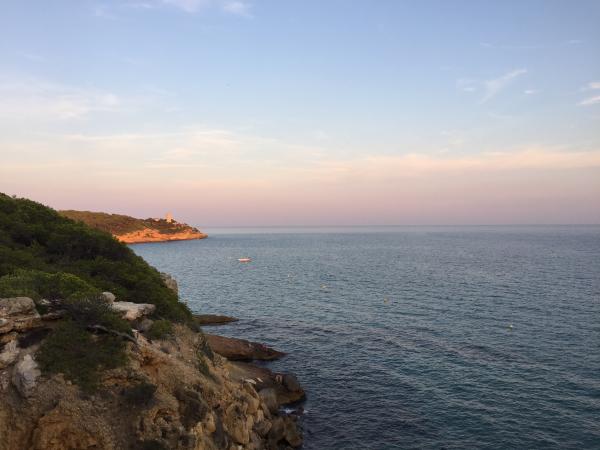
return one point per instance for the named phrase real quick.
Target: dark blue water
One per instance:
(436, 364)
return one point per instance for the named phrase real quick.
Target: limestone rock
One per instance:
(170, 282)
(16, 306)
(291, 382)
(9, 354)
(240, 349)
(108, 297)
(213, 319)
(5, 326)
(55, 431)
(263, 427)
(25, 376)
(18, 314)
(133, 311)
(269, 398)
(6, 338)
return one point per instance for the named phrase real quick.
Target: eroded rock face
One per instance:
(133, 311)
(18, 314)
(269, 398)
(25, 376)
(170, 282)
(213, 319)
(16, 306)
(9, 354)
(196, 406)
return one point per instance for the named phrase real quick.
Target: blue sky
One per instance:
(291, 107)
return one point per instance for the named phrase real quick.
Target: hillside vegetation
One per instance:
(45, 254)
(118, 224)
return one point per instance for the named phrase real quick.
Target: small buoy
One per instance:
(510, 326)
(386, 300)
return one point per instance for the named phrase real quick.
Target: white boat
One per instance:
(244, 259)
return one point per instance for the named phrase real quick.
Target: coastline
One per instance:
(184, 394)
(148, 236)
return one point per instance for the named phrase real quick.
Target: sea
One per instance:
(415, 337)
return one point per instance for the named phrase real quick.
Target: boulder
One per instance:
(240, 349)
(284, 429)
(9, 354)
(16, 306)
(262, 427)
(291, 433)
(236, 424)
(291, 382)
(18, 314)
(269, 398)
(133, 311)
(25, 376)
(108, 297)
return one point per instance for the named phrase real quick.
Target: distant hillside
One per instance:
(131, 230)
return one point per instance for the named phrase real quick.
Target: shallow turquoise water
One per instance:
(436, 364)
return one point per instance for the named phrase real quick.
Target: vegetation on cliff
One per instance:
(65, 335)
(45, 254)
(131, 230)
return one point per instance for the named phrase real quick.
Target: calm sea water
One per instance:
(402, 337)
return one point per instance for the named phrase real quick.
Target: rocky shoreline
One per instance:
(149, 235)
(176, 392)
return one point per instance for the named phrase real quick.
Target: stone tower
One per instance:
(169, 217)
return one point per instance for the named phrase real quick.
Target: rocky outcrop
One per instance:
(9, 353)
(213, 319)
(133, 311)
(170, 282)
(150, 235)
(25, 376)
(241, 350)
(285, 386)
(18, 314)
(195, 403)
(108, 297)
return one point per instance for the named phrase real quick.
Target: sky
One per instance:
(328, 112)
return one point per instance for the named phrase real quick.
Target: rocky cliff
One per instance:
(97, 351)
(173, 393)
(134, 231)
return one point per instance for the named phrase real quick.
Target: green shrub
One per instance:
(87, 312)
(79, 355)
(37, 284)
(160, 329)
(141, 394)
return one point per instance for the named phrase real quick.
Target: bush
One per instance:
(160, 329)
(79, 355)
(87, 312)
(37, 284)
(141, 394)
